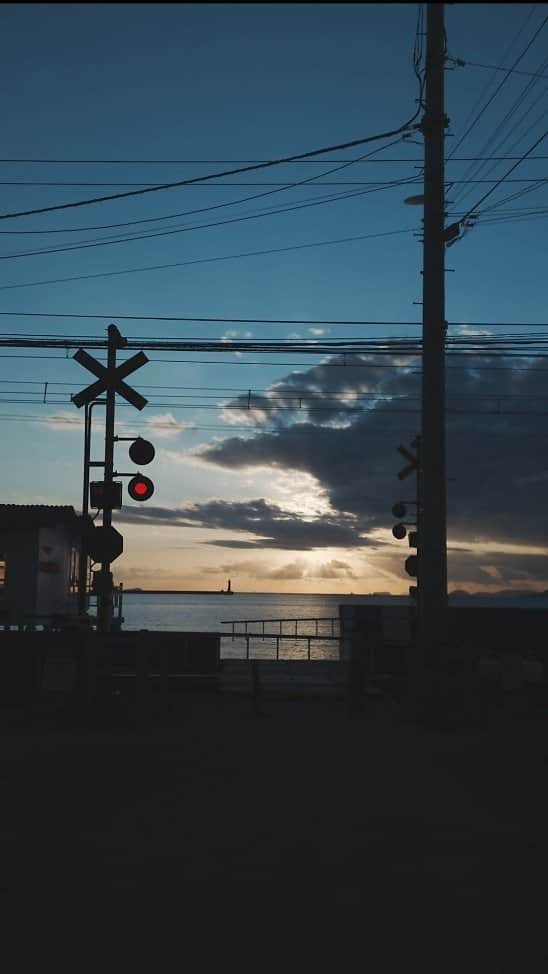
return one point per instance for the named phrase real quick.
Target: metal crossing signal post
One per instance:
(399, 510)
(433, 546)
(108, 542)
(104, 600)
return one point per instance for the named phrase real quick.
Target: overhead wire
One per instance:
(268, 321)
(311, 154)
(217, 206)
(480, 114)
(207, 178)
(504, 177)
(491, 143)
(300, 205)
(351, 411)
(461, 63)
(208, 260)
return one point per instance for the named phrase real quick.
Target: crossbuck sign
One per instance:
(111, 380)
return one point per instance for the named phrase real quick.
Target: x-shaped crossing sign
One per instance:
(110, 380)
(412, 464)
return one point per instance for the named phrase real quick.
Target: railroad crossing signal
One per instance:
(110, 380)
(413, 462)
(101, 496)
(412, 565)
(140, 488)
(141, 451)
(104, 544)
(399, 510)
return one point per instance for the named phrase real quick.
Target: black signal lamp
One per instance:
(141, 451)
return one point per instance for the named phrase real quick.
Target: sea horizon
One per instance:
(215, 612)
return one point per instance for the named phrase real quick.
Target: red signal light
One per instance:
(140, 488)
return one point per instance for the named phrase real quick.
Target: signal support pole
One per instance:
(104, 600)
(433, 544)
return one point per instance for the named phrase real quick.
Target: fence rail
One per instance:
(290, 637)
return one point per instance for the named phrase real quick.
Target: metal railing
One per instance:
(294, 636)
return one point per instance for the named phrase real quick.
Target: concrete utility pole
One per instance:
(433, 518)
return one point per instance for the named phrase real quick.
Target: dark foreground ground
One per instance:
(283, 840)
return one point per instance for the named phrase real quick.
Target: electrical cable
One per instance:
(502, 178)
(109, 241)
(229, 172)
(459, 62)
(491, 143)
(504, 80)
(271, 321)
(217, 206)
(207, 260)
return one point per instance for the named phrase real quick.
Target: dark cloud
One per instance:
(325, 426)
(497, 462)
(498, 567)
(272, 526)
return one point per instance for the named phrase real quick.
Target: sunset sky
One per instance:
(277, 470)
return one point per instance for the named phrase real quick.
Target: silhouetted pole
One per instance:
(105, 608)
(433, 542)
(83, 560)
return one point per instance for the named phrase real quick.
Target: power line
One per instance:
(267, 396)
(503, 178)
(232, 162)
(200, 179)
(284, 186)
(269, 321)
(217, 206)
(476, 170)
(459, 62)
(504, 80)
(507, 346)
(301, 205)
(54, 340)
(207, 260)
(315, 409)
(190, 428)
(324, 365)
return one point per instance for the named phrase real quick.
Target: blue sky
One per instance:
(207, 84)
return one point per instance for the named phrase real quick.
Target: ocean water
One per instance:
(216, 613)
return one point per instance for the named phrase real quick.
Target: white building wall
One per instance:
(53, 573)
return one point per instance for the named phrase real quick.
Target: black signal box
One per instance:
(100, 497)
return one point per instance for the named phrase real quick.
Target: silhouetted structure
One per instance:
(39, 555)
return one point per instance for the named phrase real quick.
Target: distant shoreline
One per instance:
(477, 596)
(175, 591)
